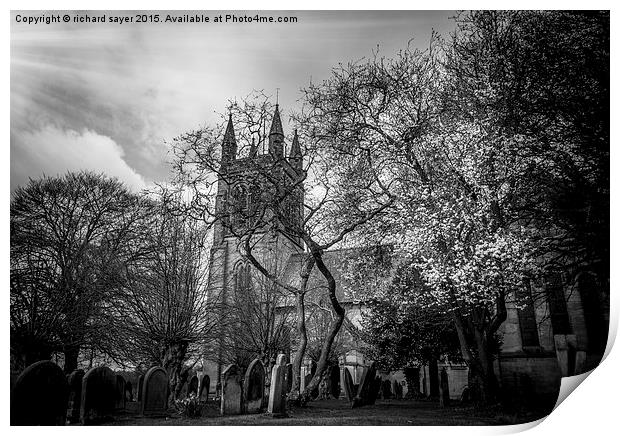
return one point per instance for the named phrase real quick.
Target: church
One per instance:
(562, 332)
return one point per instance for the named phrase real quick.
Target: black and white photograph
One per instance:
(306, 217)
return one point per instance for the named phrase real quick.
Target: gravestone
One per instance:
(289, 377)
(140, 386)
(193, 386)
(39, 396)
(347, 383)
(302, 378)
(365, 389)
(120, 393)
(204, 388)
(154, 400)
(444, 391)
(334, 380)
(98, 395)
(230, 403)
(254, 387)
(386, 389)
(397, 390)
(128, 391)
(277, 394)
(373, 393)
(75, 395)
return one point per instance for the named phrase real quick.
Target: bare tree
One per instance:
(161, 312)
(293, 196)
(64, 230)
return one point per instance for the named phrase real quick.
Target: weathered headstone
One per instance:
(302, 378)
(193, 386)
(444, 391)
(347, 383)
(154, 400)
(128, 391)
(75, 395)
(140, 386)
(231, 391)
(254, 387)
(204, 388)
(119, 404)
(98, 395)
(277, 394)
(365, 387)
(39, 396)
(334, 379)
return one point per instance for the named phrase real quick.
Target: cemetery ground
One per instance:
(339, 412)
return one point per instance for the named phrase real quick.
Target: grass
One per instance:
(339, 412)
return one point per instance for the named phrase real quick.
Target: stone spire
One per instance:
(276, 135)
(295, 158)
(229, 144)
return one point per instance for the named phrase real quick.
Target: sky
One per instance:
(109, 97)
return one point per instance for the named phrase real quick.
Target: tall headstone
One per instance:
(154, 399)
(254, 387)
(366, 387)
(334, 382)
(347, 383)
(193, 386)
(98, 395)
(39, 396)
(397, 389)
(289, 377)
(230, 403)
(444, 391)
(120, 393)
(204, 388)
(75, 395)
(373, 393)
(277, 394)
(302, 378)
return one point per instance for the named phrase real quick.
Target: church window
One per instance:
(527, 317)
(557, 304)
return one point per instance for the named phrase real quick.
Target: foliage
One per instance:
(190, 407)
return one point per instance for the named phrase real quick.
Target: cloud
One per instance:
(52, 151)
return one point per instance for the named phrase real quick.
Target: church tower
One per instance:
(259, 186)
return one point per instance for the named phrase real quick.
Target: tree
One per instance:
(293, 197)
(470, 140)
(64, 230)
(161, 314)
(258, 324)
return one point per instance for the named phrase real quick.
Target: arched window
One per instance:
(243, 279)
(239, 207)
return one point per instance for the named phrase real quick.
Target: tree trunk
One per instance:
(301, 326)
(303, 342)
(172, 360)
(338, 312)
